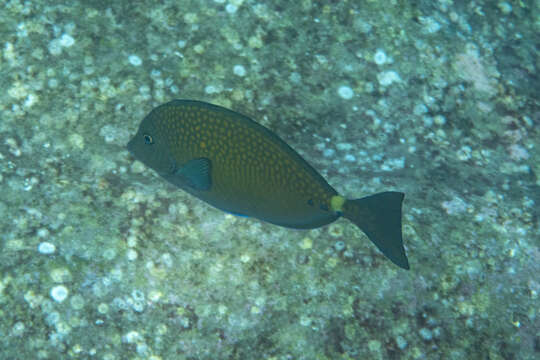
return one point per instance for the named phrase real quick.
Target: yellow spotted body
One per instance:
(239, 166)
(254, 173)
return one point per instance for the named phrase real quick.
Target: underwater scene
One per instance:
(281, 180)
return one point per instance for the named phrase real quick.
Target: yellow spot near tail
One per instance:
(336, 203)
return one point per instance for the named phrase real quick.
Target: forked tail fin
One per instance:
(379, 217)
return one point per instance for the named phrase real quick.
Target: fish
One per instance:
(241, 167)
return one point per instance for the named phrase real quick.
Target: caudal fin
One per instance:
(379, 217)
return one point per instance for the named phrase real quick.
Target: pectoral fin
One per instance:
(196, 173)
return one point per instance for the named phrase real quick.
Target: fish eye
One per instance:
(148, 139)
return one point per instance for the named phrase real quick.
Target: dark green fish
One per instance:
(241, 167)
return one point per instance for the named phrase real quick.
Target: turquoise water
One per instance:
(102, 259)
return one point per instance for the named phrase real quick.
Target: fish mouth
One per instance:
(129, 146)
